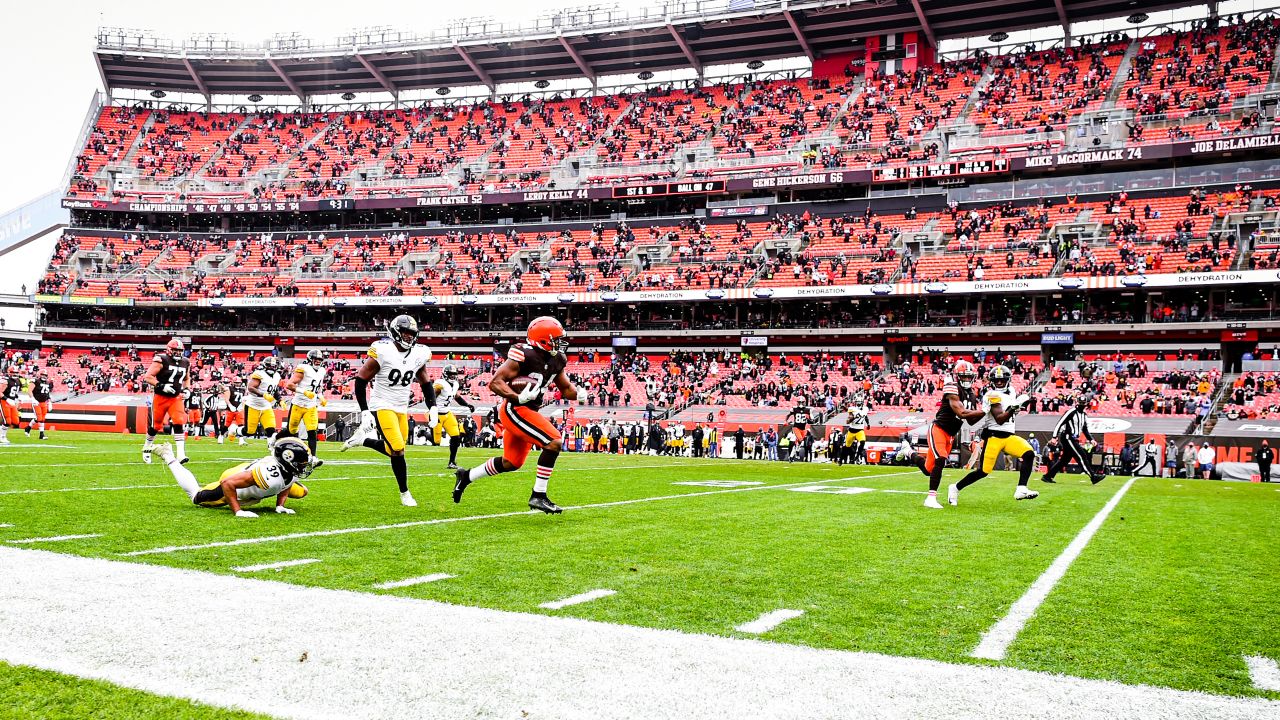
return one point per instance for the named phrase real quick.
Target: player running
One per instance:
(443, 421)
(307, 384)
(859, 421)
(393, 364)
(276, 475)
(519, 382)
(956, 407)
(236, 412)
(799, 419)
(1001, 404)
(260, 398)
(41, 402)
(168, 376)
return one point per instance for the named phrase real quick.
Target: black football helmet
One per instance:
(271, 364)
(450, 371)
(1000, 377)
(317, 358)
(293, 457)
(403, 331)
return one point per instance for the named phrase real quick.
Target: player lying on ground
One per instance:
(529, 369)
(383, 392)
(278, 474)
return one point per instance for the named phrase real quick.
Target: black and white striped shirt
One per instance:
(1072, 424)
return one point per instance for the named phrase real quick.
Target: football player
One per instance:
(1001, 405)
(956, 407)
(442, 419)
(235, 411)
(859, 421)
(276, 475)
(307, 385)
(532, 366)
(41, 402)
(799, 419)
(194, 400)
(392, 365)
(168, 377)
(9, 403)
(260, 398)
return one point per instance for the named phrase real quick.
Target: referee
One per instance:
(1070, 427)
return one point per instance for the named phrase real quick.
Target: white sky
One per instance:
(50, 76)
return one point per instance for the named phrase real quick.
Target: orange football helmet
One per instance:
(175, 345)
(548, 334)
(966, 374)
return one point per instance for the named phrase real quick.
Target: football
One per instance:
(522, 382)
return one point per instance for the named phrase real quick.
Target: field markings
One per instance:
(479, 661)
(6, 525)
(578, 599)
(409, 582)
(769, 621)
(1264, 672)
(995, 641)
(468, 518)
(275, 565)
(830, 490)
(83, 489)
(53, 538)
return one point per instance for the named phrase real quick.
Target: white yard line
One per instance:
(578, 599)
(275, 565)
(769, 621)
(443, 521)
(6, 525)
(53, 538)
(1264, 672)
(352, 655)
(409, 582)
(995, 642)
(84, 489)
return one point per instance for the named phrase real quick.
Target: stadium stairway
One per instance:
(222, 148)
(1120, 76)
(962, 117)
(132, 153)
(1219, 401)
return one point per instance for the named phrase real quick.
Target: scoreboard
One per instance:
(939, 170)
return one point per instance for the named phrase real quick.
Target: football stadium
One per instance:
(781, 359)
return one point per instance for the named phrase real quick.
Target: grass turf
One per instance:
(27, 693)
(1170, 592)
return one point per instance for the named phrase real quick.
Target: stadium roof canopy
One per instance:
(570, 43)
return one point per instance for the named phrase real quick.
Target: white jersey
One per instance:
(392, 386)
(268, 384)
(1004, 398)
(268, 481)
(313, 381)
(446, 391)
(858, 417)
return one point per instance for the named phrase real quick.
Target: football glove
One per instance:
(367, 421)
(282, 510)
(246, 514)
(323, 402)
(433, 417)
(271, 399)
(309, 395)
(528, 394)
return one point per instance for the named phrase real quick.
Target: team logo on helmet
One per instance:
(403, 331)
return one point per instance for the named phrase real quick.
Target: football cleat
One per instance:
(543, 503)
(1046, 478)
(356, 440)
(28, 432)
(452, 466)
(1025, 493)
(184, 460)
(462, 478)
(1097, 479)
(406, 499)
(953, 495)
(931, 501)
(165, 451)
(146, 455)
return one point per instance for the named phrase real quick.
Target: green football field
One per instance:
(1176, 588)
